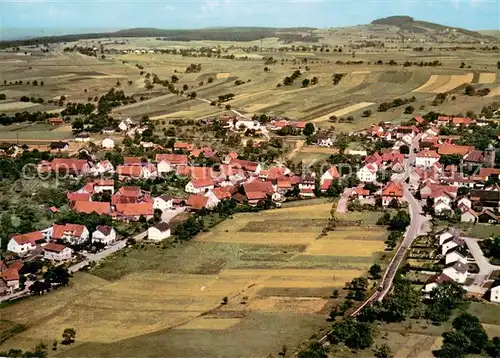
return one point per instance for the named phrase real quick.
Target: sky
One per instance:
(74, 15)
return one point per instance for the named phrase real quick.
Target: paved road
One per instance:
(342, 203)
(170, 214)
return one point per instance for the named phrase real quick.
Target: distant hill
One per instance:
(210, 34)
(408, 24)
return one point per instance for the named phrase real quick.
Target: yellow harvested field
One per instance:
(288, 304)
(432, 82)
(223, 75)
(258, 106)
(494, 92)
(173, 115)
(311, 278)
(454, 82)
(261, 238)
(360, 72)
(485, 77)
(357, 234)
(16, 105)
(345, 247)
(343, 111)
(210, 323)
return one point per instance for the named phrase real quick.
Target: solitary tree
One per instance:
(308, 129)
(69, 335)
(375, 271)
(305, 82)
(367, 113)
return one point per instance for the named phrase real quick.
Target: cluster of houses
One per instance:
(230, 177)
(51, 241)
(456, 258)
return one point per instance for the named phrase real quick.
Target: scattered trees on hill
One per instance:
(192, 68)
(439, 99)
(288, 81)
(367, 113)
(409, 110)
(3, 97)
(69, 335)
(337, 77)
(385, 106)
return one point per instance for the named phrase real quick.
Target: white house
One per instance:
(452, 243)
(159, 232)
(457, 272)
(164, 167)
(56, 252)
(468, 216)
(432, 283)
(199, 186)
(108, 143)
(104, 166)
(22, 244)
(441, 207)
(495, 293)
(444, 236)
(426, 158)
(163, 202)
(82, 137)
(454, 256)
(104, 234)
(368, 173)
(125, 124)
(464, 202)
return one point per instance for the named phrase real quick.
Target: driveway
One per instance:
(168, 215)
(485, 268)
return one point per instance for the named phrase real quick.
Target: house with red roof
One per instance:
(331, 174)
(251, 167)
(216, 195)
(257, 191)
(132, 161)
(449, 149)
(433, 282)
(392, 191)
(74, 197)
(11, 278)
(24, 243)
(56, 252)
(360, 192)
(72, 233)
(133, 212)
(55, 121)
(199, 186)
(89, 207)
(70, 166)
(181, 146)
(230, 157)
(168, 162)
(197, 202)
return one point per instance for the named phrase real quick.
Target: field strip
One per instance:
(494, 92)
(173, 115)
(275, 238)
(360, 72)
(485, 77)
(359, 248)
(454, 82)
(288, 304)
(16, 105)
(343, 111)
(430, 82)
(210, 323)
(143, 103)
(223, 75)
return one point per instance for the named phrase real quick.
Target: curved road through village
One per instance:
(418, 226)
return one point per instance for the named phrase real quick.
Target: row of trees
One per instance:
(385, 106)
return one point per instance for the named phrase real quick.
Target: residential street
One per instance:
(485, 268)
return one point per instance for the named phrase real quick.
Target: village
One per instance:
(452, 182)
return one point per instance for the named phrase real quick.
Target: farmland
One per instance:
(363, 86)
(275, 268)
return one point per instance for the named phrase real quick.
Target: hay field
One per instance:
(343, 111)
(485, 77)
(445, 83)
(166, 293)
